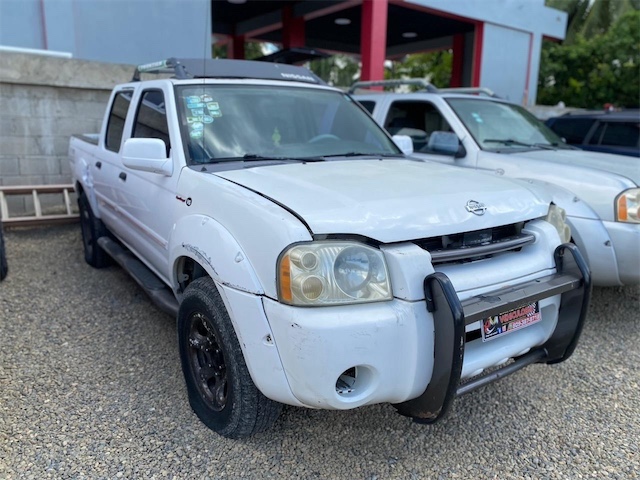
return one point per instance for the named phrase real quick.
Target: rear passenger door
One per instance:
(105, 168)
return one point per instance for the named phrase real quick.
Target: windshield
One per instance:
(246, 122)
(497, 125)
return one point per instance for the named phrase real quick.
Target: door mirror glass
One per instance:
(446, 143)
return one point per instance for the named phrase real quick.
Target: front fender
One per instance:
(587, 231)
(206, 241)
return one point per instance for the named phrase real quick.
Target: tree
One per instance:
(591, 72)
(434, 67)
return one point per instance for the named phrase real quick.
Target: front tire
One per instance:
(221, 391)
(92, 230)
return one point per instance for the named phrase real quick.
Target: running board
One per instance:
(150, 283)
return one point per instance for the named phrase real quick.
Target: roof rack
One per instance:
(471, 90)
(421, 82)
(189, 68)
(294, 55)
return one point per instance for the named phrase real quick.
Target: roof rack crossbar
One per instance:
(472, 90)
(421, 82)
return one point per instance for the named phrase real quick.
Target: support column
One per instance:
(292, 29)
(457, 64)
(235, 47)
(373, 39)
(477, 55)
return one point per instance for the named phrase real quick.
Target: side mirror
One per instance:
(404, 143)
(446, 143)
(148, 155)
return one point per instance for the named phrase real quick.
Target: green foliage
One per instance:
(591, 72)
(337, 70)
(432, 66)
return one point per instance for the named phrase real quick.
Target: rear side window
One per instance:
(151, 118)
(369, 105)
(117, 116)
(621, 134)
(573, 130)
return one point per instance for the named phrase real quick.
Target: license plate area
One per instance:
(510, 321)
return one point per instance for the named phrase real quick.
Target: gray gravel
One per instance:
(91, 387)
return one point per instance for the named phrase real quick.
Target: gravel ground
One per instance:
(91, 387)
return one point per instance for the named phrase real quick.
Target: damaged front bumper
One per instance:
(572, 281)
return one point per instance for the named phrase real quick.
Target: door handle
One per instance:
(98, 165)
(123, 176)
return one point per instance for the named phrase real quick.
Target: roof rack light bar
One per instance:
(170, 65)
(421, 82)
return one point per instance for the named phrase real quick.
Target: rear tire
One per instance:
(4, 269)
(221, 391)
(92, 230)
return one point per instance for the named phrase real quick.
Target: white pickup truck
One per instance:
(475, 130)
(307, 260)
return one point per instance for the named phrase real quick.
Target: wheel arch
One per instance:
(202, 246)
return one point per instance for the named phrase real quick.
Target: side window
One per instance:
(597, 135)
(151, 118)
(621, 134)
(573, 130)
(416, 119)
(368, 105)
(117, 116)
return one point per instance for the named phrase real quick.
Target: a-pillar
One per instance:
(373, 39)
(292, 29)
(235, 47)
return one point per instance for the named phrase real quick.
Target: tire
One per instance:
(4, 269)
(219, 385)
(92, 229)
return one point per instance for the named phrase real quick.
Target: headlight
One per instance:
(627, 206)
(557, 217)
(332, 273)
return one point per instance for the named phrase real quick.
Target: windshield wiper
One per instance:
(254, 157)
(510, 141)
(365, 154)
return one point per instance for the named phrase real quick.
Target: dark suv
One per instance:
(608, 132)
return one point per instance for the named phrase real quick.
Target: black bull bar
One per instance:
(572, 281)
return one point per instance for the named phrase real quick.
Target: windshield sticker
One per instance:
(191, 99)
(214, 109)
(206, 98)
(477, 117)
(196, 134)
(198, 112)
(207, 119)
(191, 120)
(197, 125)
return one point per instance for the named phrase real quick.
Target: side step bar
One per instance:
(150, 283)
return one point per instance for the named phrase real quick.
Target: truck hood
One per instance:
(390, 200)
(619, 164)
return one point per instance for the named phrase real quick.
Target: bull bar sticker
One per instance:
(509, 321)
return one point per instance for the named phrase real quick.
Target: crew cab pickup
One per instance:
(307, 261)
(475, 130)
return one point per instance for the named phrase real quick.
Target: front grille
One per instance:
(467, 246)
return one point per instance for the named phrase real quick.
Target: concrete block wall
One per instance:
(43, 101)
